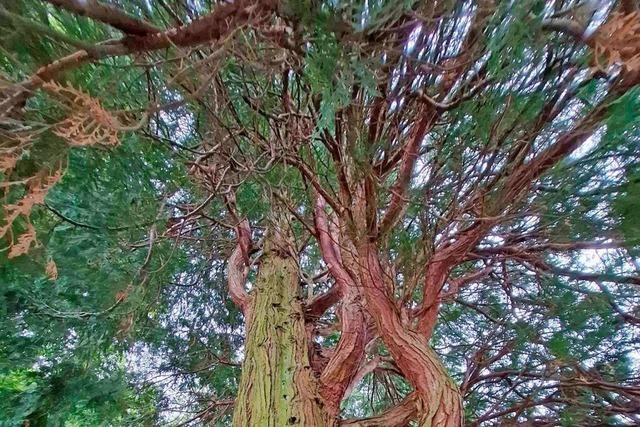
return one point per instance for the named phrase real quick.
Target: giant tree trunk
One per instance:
(277, 387)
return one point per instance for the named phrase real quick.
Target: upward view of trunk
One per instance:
(437, 176)
(277, 387)
(280, 384)
(438, 401)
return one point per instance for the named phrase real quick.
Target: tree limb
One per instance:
(349, 352)
(107, 14)
(409, 158)
(397, 416)
(238, 267)
(221, 22)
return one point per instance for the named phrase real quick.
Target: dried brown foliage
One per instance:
(88, 122)
(25, 240)
(37, 189)
(51, 270)
(8, 162)
(13, 144)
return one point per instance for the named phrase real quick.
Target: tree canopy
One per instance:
(455, 183)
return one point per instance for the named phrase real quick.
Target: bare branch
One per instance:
(107, 14)
(397, 416)
(221, 22)
(349, 351)
(238, 268)
(409, 157)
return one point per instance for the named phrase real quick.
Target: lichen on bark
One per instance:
(277, 386)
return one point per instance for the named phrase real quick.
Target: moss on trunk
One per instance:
(277, 387)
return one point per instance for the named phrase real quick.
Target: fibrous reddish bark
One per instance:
(437, 397)
(239, 267)
(349, 353)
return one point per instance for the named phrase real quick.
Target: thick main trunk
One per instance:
(277, 387)
(437, 397)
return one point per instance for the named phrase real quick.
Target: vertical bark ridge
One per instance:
(277, 387)
(349, 353)
(437, 397)
(348, 356)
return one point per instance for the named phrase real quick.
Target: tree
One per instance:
(424, 212)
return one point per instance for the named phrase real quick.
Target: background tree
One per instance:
(388, 214)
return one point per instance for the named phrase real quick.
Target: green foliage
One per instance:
(136, 324)
(60, 361)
